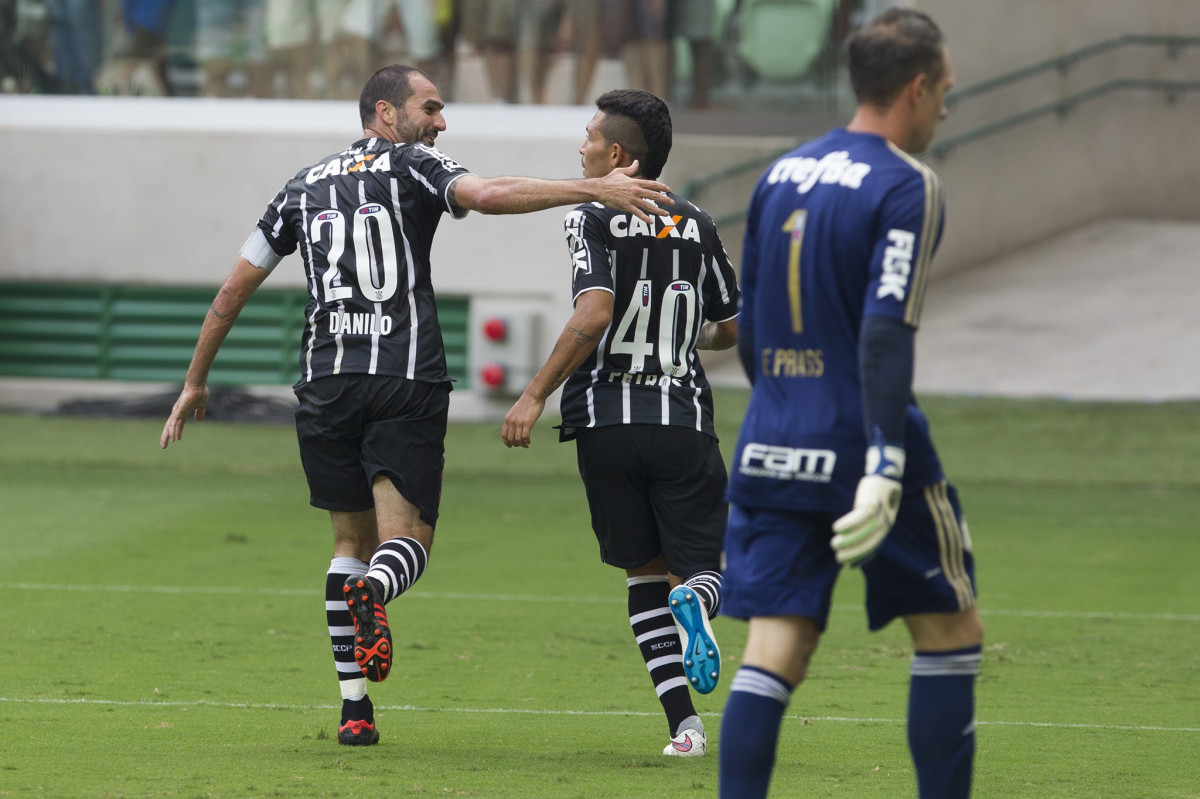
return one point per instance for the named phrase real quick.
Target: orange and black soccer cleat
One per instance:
(372, 637)
(358, 733)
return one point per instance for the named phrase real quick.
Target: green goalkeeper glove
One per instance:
(876, 502)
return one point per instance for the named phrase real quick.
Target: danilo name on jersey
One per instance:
(359, 324)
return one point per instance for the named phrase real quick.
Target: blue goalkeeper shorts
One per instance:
(780, 563)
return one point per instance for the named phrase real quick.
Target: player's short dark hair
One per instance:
(641, 123)
(392, 83)
(891, 50)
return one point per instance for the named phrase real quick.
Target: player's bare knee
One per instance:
(973, 627)
(940, 632)
(422, 534)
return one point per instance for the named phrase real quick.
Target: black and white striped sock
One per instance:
(708, 586)
(341, 626)
(658, 639)
(396, 565)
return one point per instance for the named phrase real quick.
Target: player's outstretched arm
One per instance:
(618, 189)
(236, 290)
(593, 313)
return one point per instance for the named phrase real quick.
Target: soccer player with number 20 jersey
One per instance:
(373, 385)
(639, 407)
(835, 465)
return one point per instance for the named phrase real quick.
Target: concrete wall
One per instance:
(1130, 153)
(1133, 156)
(988, 37)
(160, 190)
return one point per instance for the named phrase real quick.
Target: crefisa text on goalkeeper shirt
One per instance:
(364, 221)
(667, 276)
(841, 227)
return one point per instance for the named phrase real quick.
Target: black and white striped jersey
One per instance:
(364, 221)
(667, 277)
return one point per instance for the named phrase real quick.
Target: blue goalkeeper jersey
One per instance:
(842, 227)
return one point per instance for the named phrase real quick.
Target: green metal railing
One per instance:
(1171, 90)
(147, 333)
(1063, 63)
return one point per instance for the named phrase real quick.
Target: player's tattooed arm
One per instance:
(554, 379)
(717, 335)
(231, 298)
(556, 376)
(582, 337)
(593, 313)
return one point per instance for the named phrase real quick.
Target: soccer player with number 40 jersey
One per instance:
(373, 385)
(639, 407)
(835, 465)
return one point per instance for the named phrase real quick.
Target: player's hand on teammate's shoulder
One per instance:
(620, 189)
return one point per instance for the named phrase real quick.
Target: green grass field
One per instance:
(162, 632)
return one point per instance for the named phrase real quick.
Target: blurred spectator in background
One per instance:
(290, 28)
(692, 20)
(363, 42)
(447, 16)
(644, 27)
(139, 63)
(229, 37)
(76, 35)
(25, 48)
(594, 34)
(495, 27)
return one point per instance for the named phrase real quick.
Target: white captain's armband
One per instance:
(456, 211)
(257, 250)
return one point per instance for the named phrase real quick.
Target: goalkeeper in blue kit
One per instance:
(834, 464)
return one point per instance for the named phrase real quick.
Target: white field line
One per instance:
(546, 712)
(540, 598)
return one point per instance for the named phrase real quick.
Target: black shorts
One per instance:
(352, 428)
(655, 489)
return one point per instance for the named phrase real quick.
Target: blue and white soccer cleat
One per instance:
(701, 657)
